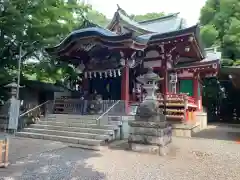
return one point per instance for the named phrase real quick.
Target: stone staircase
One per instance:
(78, 131)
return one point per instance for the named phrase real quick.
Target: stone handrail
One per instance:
(30, 110)
(107, 111)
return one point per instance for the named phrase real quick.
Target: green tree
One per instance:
(147, 16)
(221, 18)
(97, 18)
(209, 35)
(34, 25)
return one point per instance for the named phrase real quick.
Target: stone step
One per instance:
(72, 140)
(85, 121)
(70, 134)
(72, 116)
(80, 125)
(73, 129)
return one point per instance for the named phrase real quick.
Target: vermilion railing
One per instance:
(190, 100)
(181, 96)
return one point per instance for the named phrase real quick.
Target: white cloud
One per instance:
(189, 9)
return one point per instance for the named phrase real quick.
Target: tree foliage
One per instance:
(220, 20)
(209, 35)
(97, 18)
(34, 25)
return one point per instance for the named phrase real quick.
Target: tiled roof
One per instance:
(100, 35)
(163, 24)
(198, 63)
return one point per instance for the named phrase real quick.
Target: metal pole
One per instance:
(19, 70)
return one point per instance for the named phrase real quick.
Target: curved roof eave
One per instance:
(92, 32)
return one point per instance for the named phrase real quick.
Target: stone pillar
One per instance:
(150, 132)
(125, 86)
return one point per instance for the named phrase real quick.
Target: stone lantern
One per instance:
(149, 109)
(150, 131)
(12, 107)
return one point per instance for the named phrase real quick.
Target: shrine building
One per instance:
(112, 58)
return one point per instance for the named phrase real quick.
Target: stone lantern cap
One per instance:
(149, 76)
(12, 85)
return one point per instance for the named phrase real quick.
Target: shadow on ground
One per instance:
(39, 159)
(220, 132)
(62, 164)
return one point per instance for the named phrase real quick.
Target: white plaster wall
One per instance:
(151, 64)
(152, 54)
(185, 74)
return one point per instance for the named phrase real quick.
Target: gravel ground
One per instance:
(189, 159)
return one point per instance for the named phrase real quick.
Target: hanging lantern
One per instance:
(100, 75)
(105, 73)
(90, 75)
(187, 49)
(95, 74)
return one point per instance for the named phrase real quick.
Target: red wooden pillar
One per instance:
(125, 87)
(166, 82)
(200, 98)
(196, 88)
(165, 76)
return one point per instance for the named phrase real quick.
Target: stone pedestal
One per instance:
(151, 137)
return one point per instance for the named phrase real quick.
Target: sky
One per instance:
(189, 9)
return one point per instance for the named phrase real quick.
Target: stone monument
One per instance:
(150, 132)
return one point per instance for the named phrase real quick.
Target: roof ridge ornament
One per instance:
(119, 9)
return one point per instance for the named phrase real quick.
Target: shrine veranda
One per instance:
(112, 58)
